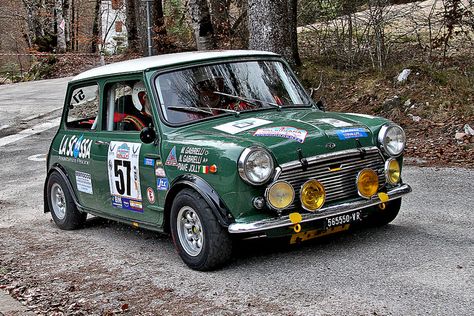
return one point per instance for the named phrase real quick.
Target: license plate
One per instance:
(339, 220)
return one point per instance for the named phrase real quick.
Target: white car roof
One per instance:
(140, 64)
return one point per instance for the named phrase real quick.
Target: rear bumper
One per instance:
(284, 221)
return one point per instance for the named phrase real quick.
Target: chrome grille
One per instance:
(340, 184)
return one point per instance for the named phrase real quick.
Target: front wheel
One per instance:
(62, 207)
(200, 240)
(381, 217)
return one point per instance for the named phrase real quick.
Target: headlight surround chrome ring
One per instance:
(246, 165)
(269, 192)
(392, 139)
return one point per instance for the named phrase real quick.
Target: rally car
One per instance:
(213, 146)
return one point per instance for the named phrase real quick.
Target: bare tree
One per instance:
(61, 27)
(268, 25)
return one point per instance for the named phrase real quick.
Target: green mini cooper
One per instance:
(209, 146)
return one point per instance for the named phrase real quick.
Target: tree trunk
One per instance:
(269, 27)
(159, 27)
(219, 10)
(201, 23)
(292, 26)
(131, 23)
(61, 26)
(96, 28)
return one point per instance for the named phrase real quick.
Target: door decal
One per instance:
(124, 175)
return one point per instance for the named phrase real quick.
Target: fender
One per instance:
(218, 207)
(58, 168)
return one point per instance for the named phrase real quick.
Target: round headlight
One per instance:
(392, 171)
(367, 183)
(280, 195)
(255, 165)
(392, 139)
(312, 195)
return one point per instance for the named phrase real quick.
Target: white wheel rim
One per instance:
(190, 232)
(58, 201)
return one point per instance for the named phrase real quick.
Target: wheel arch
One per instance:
(217, 205)
(64, 175)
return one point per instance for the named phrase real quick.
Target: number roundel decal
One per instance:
(124, 175)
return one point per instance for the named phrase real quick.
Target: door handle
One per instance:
(152, 156)
(101, 143)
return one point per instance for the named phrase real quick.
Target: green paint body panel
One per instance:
(198, 145)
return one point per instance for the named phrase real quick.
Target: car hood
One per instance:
(285, 133)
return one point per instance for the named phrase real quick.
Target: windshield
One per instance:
(206, 91)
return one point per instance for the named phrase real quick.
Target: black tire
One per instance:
(216, 244)
(381, 217)
(67, 217)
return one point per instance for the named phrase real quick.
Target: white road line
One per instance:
(30, 131)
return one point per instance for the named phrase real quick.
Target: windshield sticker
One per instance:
(335, 122)
(75, 149)
(150, 194)
(162, 184)
(124, 175)
(351, 133)
(242, 125)
(84, 182)
(283, 131)
(363, 115)
(171, 160)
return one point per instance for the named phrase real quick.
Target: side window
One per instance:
(83, 107)
(128, 108)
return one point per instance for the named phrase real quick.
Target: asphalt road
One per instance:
(421, 264)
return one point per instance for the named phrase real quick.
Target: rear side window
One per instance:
(83, 107)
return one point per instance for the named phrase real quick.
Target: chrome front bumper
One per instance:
(267, 224)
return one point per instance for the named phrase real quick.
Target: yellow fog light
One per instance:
(312, 195)
(367, 183)
(280, 195)
(392, 171)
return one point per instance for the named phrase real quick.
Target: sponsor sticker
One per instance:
(171, 160)
(335, 122)
(160, 172)
(84, 182)
(124, 175)
(162, 184)
(149, 162)
(75, 149)
(241, 125)
(363, 115)
(283, 131)
(150, 194)
(351, 133)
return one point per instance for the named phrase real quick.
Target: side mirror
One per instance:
(147, 135)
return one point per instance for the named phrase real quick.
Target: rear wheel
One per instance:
(62, 207)
(381, 217)
(200, 240)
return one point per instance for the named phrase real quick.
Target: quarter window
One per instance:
(83, 108)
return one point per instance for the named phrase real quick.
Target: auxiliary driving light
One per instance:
(312, 195)
(280, 195)
(392, 171)
(367, 183)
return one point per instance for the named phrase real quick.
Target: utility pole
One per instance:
(149, 27)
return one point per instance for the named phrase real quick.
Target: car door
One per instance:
(127, 182)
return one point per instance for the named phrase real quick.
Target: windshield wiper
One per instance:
(201, 110)
(249, 101)
(189, 109)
